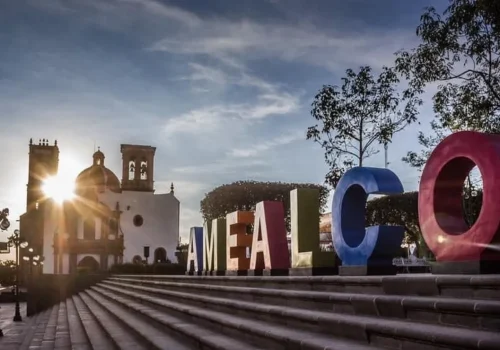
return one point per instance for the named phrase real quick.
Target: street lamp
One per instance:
(17, 241)
(32, 257)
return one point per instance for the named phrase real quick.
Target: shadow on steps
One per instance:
(47, 290)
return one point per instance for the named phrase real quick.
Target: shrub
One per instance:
(153, 269)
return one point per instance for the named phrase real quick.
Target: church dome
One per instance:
(97, 178)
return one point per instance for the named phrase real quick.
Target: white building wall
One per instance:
(98, 225)
(79, 232)
(160, 213)
(65, 262)
(51, 216)
(111, 260)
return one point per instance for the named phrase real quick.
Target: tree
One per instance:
(402, 210)
(8, 263)
(244, 195)
(182, 253)
(362, 112)
(428, 143)
(460, 50)
(7, 272)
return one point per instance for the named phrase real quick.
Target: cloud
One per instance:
(212, 118)
(235, 42)
(189, 218)
(219, 126)
(156, 8)
(256, 149)
(206, 74)
(221, 166)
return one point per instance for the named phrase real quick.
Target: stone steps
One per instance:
(120, 336)
(35, 332)
(372, 330)
(78, 335)
(62, 338)
(48, 339)
(219, 330)
(481, 287)
(421, 312)
(474, 314)
(167, 332)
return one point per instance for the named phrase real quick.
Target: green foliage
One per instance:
(402, 210)
(182, 253)
(364, 111)
(8, 263)
(7, 272)
(460, 50)
(244, 195)
(153, 269)
(428, 143)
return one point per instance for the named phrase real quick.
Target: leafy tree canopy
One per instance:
(244, 195)
(402, 210)
(459, 50)
(362, 112)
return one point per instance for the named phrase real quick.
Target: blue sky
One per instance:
(222, 88)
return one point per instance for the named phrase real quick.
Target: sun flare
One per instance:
(62, 186)
(59, 188)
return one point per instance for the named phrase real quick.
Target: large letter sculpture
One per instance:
(269, 253)
(195, 251)
(214, 247)
(307, 258)
(238, 241)
(363, 250)
(440, 204)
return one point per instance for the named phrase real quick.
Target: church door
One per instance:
(89, 264)
(160, 255)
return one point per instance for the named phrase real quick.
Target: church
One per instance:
(108, 221)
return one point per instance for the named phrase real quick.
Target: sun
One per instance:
(62, 186)
(58, 188)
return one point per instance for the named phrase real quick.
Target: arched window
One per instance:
(89, 229)
(160, 255)
(144, 170)
(137, 260)
(88, 263)
(131, 169)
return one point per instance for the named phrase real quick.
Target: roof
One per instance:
(97, 178)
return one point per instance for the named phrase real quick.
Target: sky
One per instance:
(222, 88)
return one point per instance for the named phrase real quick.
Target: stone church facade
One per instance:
(108, 222)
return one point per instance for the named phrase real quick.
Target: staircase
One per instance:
(420, 312)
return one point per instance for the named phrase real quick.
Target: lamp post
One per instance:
(4, 225)
(32, 257)
(17, 241)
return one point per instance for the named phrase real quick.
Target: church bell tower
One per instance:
(43, 163)
(138, 166)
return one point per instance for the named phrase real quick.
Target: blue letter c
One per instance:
(356, 245)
